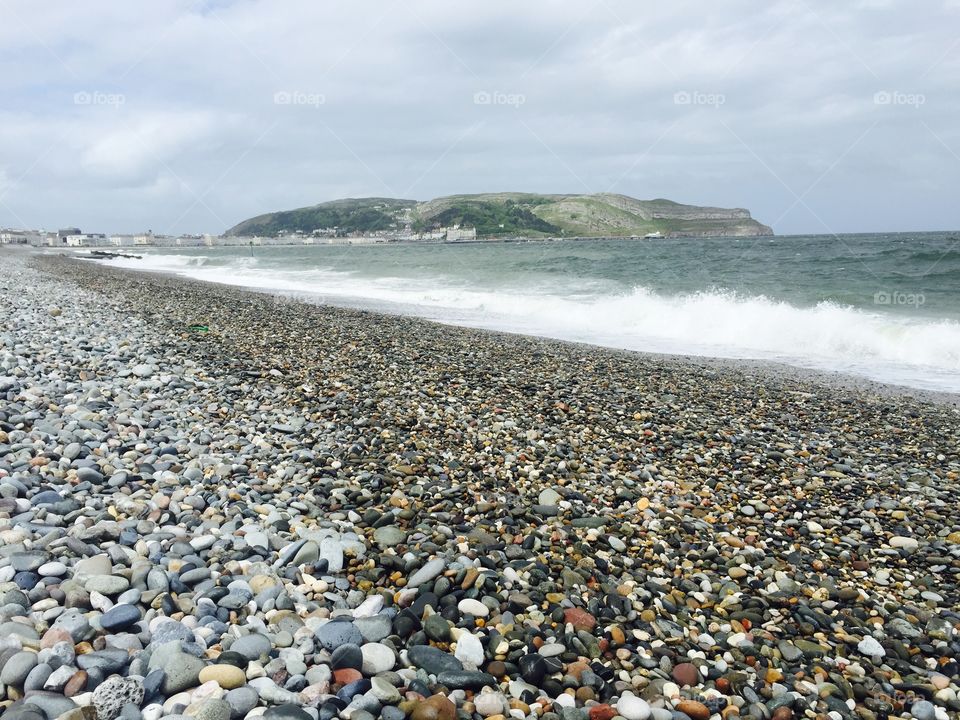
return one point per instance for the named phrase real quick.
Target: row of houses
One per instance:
(75, 238)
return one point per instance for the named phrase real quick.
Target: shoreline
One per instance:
(220, 504)
(764, 369)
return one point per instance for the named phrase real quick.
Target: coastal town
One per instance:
(73, 237)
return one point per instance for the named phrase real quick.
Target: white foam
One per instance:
(909, 350)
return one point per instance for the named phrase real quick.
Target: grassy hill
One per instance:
(350, 215)
(513, 214)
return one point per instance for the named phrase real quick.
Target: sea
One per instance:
(880, 306)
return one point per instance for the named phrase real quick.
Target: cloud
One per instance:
(235, 108)
(138, 154)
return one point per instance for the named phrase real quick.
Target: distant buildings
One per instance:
(73, 237)
(34, 238)
(459, 234)
(14, 237)
(85, 240)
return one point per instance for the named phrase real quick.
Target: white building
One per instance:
(85, 240)
(459, 234)
(13, 237)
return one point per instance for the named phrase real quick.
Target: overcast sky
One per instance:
(183, 116)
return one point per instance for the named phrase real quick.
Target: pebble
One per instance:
(252, 646)
(228, 677)
(631, 707)
(336, 633)
(309, 513)
(428, 572)
(110, 697)
(120, 617)
(16, 668)
(469, 650)
(869, 646)
(241, 700)
(377, 658)
(469, 606)
(923, 710)
(106, 584)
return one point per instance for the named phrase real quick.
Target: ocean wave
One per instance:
(899, 348)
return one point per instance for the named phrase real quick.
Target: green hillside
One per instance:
(350, 215)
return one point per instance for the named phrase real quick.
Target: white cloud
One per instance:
(397, 80)
(137, 153)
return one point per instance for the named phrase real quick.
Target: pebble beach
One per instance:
(217, 504)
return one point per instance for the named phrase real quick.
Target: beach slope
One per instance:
(224, 501)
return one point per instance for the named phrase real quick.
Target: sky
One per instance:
(184, 116)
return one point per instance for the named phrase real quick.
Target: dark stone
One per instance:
(350, 690)
(533, 669)
(347, 656)
(108, 661)
(466, 680)
(433, 660)
(336, 633)
(152, 684)
(437, 628)
(286, 712)
(120, 617)
(231, 657)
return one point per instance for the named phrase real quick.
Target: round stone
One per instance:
(533, 669)
(632, 707)
(120, 617)
(923, 710)
(346, 656)
(377, 658)
(384, 691)
(54, 568)
(871, 647)
(693, 709)
(906, 543)
(287, 711)
(226, 676)
(241, 700)
(389, 536)
(106, 584)
(686, 674)
(548, 497)
(437, 628)
(17, 667)
(469, 606)
(469, 650)
(336, 633)
(435, 707)
(252, 646)
(490, 703)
